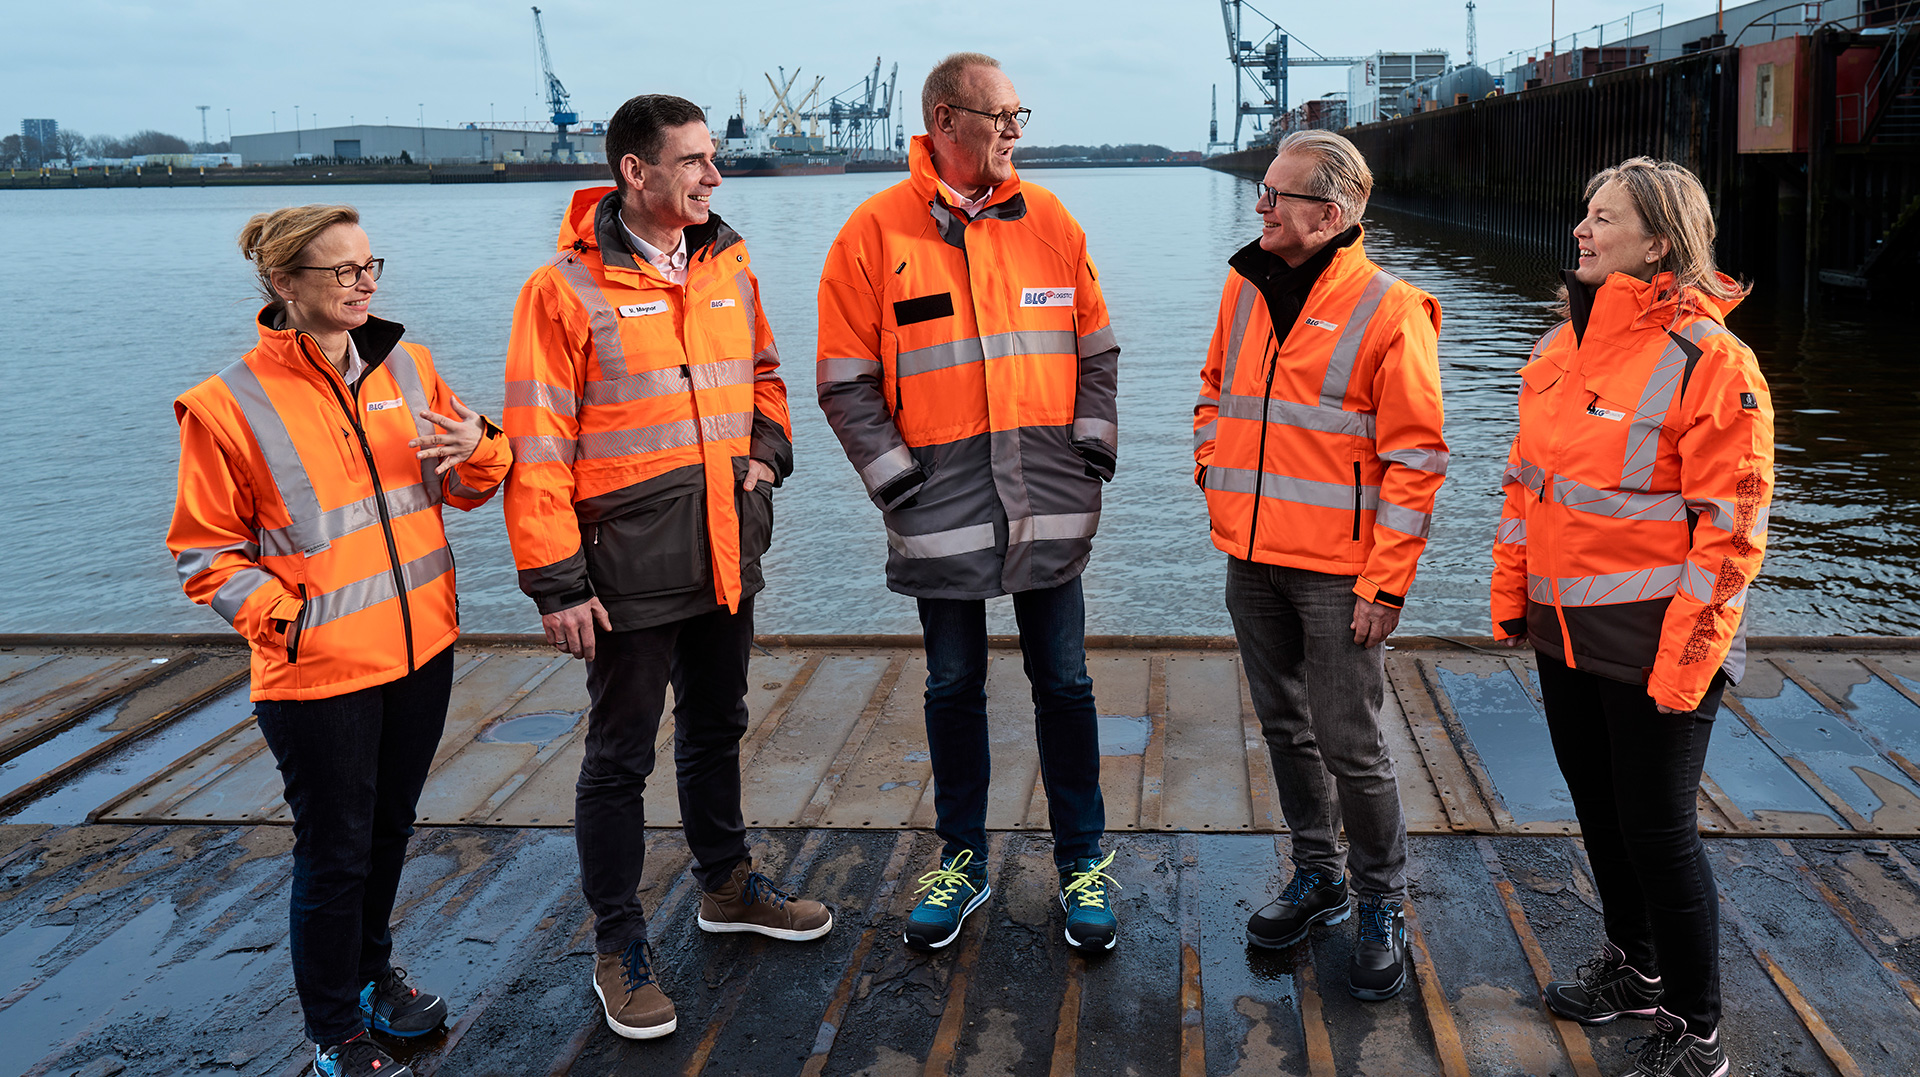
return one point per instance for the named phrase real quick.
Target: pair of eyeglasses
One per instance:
(1272, 195)
(349, 274)
(1017, 117)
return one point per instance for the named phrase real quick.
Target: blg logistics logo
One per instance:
(1046, 297)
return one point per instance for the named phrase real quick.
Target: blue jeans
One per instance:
(354, 765)
(1066, 725)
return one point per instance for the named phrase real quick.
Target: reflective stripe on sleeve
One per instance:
(543, 449)
(1206, 433)
(886, 467)
(1100, 340)
(239, 587)
(538, 394)
(1096, 429)
(1608, 589)
(1404, 520)
(193, 562)
(942, 543)
(835, 371)
(1434, 460)
(1511, 533)
(365, 594)
(1066, 525)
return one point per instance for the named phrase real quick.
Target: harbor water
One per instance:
(121, 299)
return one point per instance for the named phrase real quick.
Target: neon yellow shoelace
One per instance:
(1087, 886)
(947, 879)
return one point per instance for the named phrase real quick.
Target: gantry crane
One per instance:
(785, 118)
(860, 119)
(558, 102)
(1265, 59)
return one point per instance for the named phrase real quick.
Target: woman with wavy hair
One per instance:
(1635, 522)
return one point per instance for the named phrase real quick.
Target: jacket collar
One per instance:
(1621, 305)
(592, 223)
(374, 339)
(927, 181)
(1275, 278)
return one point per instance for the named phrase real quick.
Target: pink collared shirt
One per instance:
(971, 209)
(671, 266)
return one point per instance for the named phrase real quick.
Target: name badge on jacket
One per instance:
(641, 310)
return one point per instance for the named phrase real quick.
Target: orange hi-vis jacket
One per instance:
(1323, 451)
(1637, 491)
(305, 519)
(634, 404)
(969, 370)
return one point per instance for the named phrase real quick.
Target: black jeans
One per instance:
(705, 658)
(1066, 725)
(354, 765)
(1634, 774)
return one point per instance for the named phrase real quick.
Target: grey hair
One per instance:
(1340, 173)
(943, 82)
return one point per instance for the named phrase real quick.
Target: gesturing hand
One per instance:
(462, 436)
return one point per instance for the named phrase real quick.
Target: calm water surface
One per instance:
(118, 300)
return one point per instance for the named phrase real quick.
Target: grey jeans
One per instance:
(1318, 697)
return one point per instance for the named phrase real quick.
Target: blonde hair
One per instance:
(1340, 173)
(943, 82)
(274, 242)
(1672, 206)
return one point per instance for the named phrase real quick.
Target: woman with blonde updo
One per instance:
(312, 473)
(1635, 522)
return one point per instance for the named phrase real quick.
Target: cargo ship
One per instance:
(749, 151)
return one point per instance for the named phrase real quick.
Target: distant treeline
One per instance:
(1129, 152)
(68, 145)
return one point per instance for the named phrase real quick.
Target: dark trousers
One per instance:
(354, 765)
(705, 659)
(1318, 696)
(1634, 774)
(1066, 726)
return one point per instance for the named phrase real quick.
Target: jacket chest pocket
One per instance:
(658, 549)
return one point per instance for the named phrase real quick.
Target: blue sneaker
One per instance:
(953, 890)
(358, 1057)
(1091, 924)
(392, 1007)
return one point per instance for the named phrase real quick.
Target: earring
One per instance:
(1653, 258)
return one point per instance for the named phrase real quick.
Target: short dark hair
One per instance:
(640, 128)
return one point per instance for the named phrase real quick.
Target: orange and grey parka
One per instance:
(969, 370)
(632, 402)
(305, 519)
(1323, 450)
(1637, 491)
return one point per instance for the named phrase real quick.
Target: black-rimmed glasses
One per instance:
(1272, 195)
(349, 274)
(1018, 116)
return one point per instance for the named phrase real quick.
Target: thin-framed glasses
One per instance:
(349, 274)
(1000, 120)
(1272, 195)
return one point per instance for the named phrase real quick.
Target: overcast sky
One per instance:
(1093, 71)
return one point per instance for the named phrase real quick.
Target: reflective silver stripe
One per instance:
(1029, 342)
(1434, 460)
(640, 385)
(239, 587)
(1066, 525)
(365, 594)
(538, 394)
(1097, 429)
(1346, 350)
(335, 524)
(938, 357)
(1643, 431)
(942, 543)
(283, 459)
(886, 467)
(722, 374)
(1206, 433)
(1511, 533)
(1617, 504)
(768, 354)
(1527, 474)
(1404, 520)
(193, 562)
(407, 375)
(1540, 346)
(1717, 511)
(1609, 589)
(1242, 311)
(732, 424)
(602, 445)
(1318, 417)
(1098, 341)
(1208, 395)
(832, 371)
(1698, 584)
(537, 449)
(603, 321)
(1327, 495)
(749, 301)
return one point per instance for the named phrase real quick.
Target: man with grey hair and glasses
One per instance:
(1317, 440)
(967, 366)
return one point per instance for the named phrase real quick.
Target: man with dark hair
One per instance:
(652, 427)
(968, 368)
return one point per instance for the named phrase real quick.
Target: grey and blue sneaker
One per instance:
(1091, 924)
(954, 889)
(358, 1057)
(393, 1007)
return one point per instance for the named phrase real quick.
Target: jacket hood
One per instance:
(1645, 303)
(926, 179)
(592, 222)
(374, 339)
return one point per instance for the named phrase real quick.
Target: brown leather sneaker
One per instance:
(750, 902)
(636, 1007)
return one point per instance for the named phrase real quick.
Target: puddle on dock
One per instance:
(537, 728)
(1124, 734)
(1755, 778)
(1835, 753)
(1510, 733)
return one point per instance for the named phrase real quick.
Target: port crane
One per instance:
(785, 118)
(860, 118)
(558, 102)
(1264, 61)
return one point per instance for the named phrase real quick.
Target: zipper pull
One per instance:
(686, 372)
(596, 534)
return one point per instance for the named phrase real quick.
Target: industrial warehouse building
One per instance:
(426, 145)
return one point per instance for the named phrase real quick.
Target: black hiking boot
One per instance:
(1310, 898)
(1379, 967)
